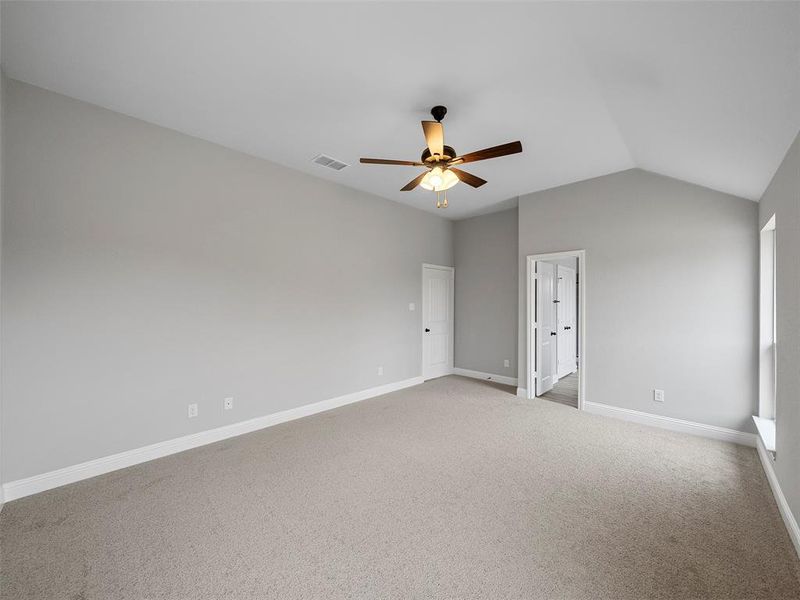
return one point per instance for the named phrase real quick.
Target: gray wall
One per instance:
(486, 293)
(782, 199)
(671, 290)
(144, 270)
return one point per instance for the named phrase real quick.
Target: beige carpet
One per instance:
(453, 489)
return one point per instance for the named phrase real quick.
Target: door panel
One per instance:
(561, 328)
(567, 320)
(546, 327)
(437, 321)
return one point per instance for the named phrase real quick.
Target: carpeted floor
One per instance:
(452, 489)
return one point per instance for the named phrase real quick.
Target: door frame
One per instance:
(530, 358)
(422, 311)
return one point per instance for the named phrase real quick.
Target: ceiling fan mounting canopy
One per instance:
(440, 160)
(438, 113)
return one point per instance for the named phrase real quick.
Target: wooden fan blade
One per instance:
(413, 183)
(468, 178)
(387, 161)
(493, 152)
(434, 136)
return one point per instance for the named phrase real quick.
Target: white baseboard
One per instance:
(643, 418)
(522, 392)
(486, 376)
(780, 499)
(46, 481)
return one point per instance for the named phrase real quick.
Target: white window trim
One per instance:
(766, 431)
(767, 345)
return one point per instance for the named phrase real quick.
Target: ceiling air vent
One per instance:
(331, 163)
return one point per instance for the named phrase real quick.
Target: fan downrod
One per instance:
(439, 112)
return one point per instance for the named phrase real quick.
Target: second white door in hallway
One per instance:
(567, 320)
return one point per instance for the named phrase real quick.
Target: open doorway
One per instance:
(555, 327)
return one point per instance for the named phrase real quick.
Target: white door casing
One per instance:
(437, 321)
(546, 327)
(567, 320)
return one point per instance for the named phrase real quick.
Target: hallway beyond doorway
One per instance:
(565, 391)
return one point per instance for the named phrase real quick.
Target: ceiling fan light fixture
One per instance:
(441, 161)
(438, 180)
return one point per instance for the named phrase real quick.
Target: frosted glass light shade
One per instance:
(438, 180)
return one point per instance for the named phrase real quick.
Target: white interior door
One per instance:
(546, 327)
(437, 321)
(567, 320)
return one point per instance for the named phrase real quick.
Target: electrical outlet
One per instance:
(412, 307)
(380, 370)
(658, 395)
(192, 411)
(227, 404)
(507, 363)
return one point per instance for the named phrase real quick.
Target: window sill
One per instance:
(766, 431)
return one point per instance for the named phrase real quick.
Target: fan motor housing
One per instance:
(448, 154)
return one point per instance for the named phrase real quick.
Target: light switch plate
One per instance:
(412, 307)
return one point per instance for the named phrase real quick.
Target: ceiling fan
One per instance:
(440, 160)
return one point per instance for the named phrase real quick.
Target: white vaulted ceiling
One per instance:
(705, 92)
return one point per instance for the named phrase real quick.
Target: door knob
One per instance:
(553, 333)
(427, 330)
